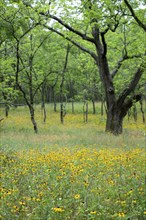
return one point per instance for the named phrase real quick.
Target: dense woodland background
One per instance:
(73, 51)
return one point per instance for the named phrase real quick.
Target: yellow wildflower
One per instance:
(121, 214)
(22, 203)
(93, 212)
(57, 209)
(76, 196)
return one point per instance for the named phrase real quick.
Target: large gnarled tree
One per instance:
(91, 26)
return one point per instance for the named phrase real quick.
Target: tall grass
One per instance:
(17, 131)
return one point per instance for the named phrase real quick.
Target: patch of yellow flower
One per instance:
(77, 196)
(121, 214)
(74, 181)
(58, 209)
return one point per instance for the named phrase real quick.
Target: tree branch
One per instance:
(73, 42)
(134, 15)
(131, 87)
(104, 45)
(121, 60)
(26, 32)
(45, 38)
(82, 35)
(127, 105)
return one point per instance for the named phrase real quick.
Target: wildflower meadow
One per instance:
(73, 171)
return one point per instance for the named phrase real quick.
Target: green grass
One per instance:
(17, 131)
(74, 171)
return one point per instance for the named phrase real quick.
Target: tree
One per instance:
(94, 22)
(110, 32)
(62, 110)
(25, 44)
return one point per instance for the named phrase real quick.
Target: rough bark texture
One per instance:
(114, 122)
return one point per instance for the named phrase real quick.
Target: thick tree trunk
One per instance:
(114, 122)
(116, 114)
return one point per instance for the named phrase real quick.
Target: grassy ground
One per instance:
(73, 171)
(17, 131)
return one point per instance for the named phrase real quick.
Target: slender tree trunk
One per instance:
(44, 111)
(102, 108)
(135, 113)
(62, 106)
(32, 115)
(94, 108)
(54, 100)
(45, 114)
(142, 111)
(61, 113)
(7, 110)
(72, 105)
(85, 112)
(43, 103)
(55, 106)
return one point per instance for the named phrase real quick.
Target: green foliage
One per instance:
(42, 52)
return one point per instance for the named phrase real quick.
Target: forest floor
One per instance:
(71, 171)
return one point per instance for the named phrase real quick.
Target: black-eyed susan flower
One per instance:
(121, 214)
(58, 209)
(77, 196)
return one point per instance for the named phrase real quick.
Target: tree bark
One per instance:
(114, 122)
(32, 115)
(85, 112)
